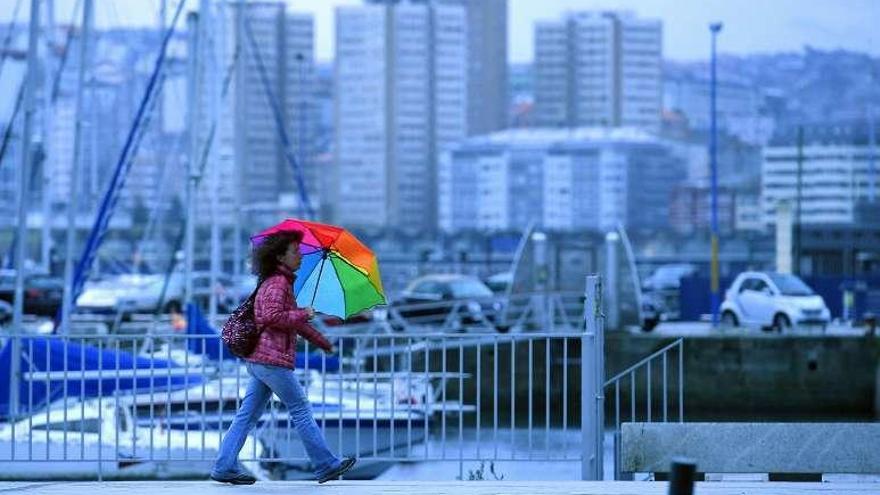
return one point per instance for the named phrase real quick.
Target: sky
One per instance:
(750, 26)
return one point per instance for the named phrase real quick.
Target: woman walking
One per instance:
(271, 364)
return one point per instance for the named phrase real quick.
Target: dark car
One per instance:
(42, 293)
(652, 310)
(431, 300)
(127, 294)
(661, 290)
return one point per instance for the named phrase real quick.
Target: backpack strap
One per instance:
(253, 295)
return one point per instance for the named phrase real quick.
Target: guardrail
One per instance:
(117, 401)
(652, 372)
(156, 403)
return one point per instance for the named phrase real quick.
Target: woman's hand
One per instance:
(310, 312)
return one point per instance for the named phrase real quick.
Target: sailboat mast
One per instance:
(212, 22)
(48, 37)
(76, 165)
(23, 170)
(192, 24)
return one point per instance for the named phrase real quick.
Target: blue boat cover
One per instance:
(41, 354)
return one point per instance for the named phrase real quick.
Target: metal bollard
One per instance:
(681, 476)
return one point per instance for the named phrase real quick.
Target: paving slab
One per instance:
(429, 488)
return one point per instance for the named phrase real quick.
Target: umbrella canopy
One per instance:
(338, 276)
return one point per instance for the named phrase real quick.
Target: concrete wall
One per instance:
(760, 377)
(764, 375)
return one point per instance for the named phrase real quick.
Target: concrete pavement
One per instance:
(431, 488)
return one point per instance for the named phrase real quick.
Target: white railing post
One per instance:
(592, 381)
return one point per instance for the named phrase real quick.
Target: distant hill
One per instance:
(811, 85)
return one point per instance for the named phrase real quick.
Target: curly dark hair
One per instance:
(264, 257)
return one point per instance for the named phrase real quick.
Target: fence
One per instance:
(647, 369)
(157, 404)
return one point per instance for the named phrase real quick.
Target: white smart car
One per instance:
(774, 301)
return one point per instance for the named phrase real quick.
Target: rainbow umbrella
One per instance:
(338, 276)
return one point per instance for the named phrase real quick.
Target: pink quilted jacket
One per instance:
(279, 319)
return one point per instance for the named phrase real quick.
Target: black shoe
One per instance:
(344, 466)
(237, 479)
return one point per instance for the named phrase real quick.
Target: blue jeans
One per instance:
(266, 379)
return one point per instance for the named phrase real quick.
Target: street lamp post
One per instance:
(714, 28)
(301, 114)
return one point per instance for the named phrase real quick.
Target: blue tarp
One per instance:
(314, 361)
(40, 354)
(214, 348)
(211, 346)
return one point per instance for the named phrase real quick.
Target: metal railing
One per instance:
(156, 401)
(147, 401)
(652, 374)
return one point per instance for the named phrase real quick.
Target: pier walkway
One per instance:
(431, 488)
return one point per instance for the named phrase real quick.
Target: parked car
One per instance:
(430, 300)
(775, 301)
(499, 282)
(668, 276)
(661, 290)
(42, 293)
(138, 293)
(653, 310)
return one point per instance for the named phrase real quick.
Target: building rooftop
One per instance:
(852, 132)
(545, 136)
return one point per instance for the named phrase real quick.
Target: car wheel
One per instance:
(650, 324)
(728, 319)
(502, 328)
(781, 323)
(458, 325)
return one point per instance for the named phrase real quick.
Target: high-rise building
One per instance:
(830, 179)
(486, 39)
(599, 69)
(111, 95)
(690, 208)
(259, 156)
(738, 107)
(487, 65)
(563, 179)
(299, 97)
(395, 113)
(250, 155)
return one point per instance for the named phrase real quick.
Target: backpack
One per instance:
(240, 332)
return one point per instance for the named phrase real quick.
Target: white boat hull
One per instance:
(38, 459)
(363, 438)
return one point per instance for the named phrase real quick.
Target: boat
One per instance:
(100, 437)
(361, 418)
